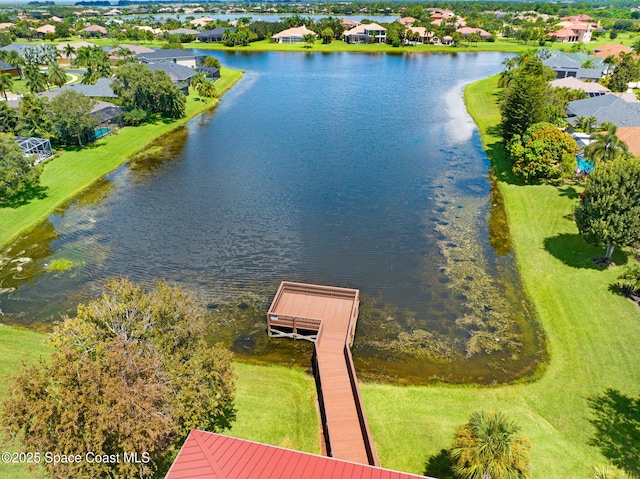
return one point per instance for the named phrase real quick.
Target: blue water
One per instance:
(337, 169)
(584, 165)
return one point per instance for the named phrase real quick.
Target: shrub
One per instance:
(629, 281)
(135, 117)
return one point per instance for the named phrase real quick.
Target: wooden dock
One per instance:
(327, 316)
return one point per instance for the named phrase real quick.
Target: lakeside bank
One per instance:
(593, 338)
(592, 334)
(74, 170)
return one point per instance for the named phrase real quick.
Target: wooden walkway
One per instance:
(327, 316)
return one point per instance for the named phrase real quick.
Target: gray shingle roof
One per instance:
(102, 89)
(607, 108)
(565, 61)
(176, 72)
(159, 55)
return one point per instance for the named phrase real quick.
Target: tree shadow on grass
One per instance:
(573, 251)
(33, 193)
(616, 418)
(569, 192)
(440, 466)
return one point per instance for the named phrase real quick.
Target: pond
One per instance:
(356, 170)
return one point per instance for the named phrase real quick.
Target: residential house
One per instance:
(573, 32)
(606, 108)
(349, 24)
(117, 54)
(6, 26)
(101, 89)
(179, 57)
(578, 18)
(206, 454)
(201, 22)
(466, 31)
(407, 22)
(11, 69)
(44, 29)
(447, 40)
(631, 136)
(180, 75)
(567, 64)
(590, 88)
(63, 59)
(183, 31)
(615, 49)
(366, 33)
(94, 31)
(214, 36)
(424, 35)
(292, 35)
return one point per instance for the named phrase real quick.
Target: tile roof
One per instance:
(575, 84)
(631, 136)
(294, 32)
(206, 455)
(614, 49)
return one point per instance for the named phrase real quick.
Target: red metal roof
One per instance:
(206, 455)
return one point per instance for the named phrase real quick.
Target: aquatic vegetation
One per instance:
(60, 265)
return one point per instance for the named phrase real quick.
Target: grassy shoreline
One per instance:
(593, 337)
(68, 174)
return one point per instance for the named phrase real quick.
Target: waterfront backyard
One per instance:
(591, 333)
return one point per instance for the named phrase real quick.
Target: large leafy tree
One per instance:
(544, 152)
(606, 146)
(524, 100)
(627, 70)
(71, 113)
(34, 118)
(609, 213)
(8, 118)
(140, 88)
(17, 175)
(490, 446)
(131, 372)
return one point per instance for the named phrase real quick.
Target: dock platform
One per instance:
(327, 316)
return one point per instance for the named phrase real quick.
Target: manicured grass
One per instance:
(17, 346)
(500, 44)
(276, 405)
(75, 169)
(593, 338)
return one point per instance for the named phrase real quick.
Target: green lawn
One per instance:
(17, 346)
(290, 421)
(339, 46)
(74, 170)
(593, 338)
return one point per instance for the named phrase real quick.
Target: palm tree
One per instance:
(83, 57)
(6, 82)
(490, 446)
(610, 472)
(606, 147)
(35, 80)
(588, 63)
(56, 75)
(585, 123)
(68, 51)
(15, 59)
